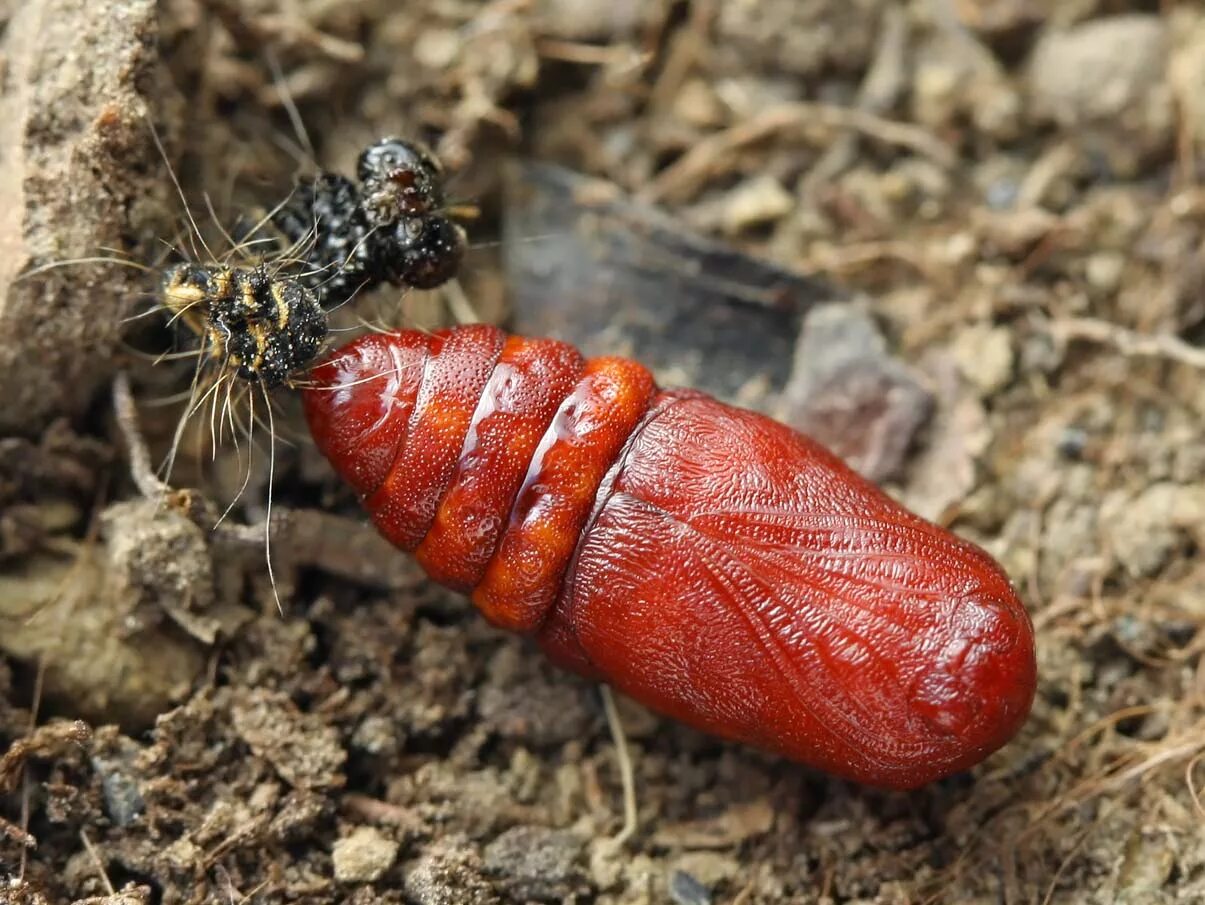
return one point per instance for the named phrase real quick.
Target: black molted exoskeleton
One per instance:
(389, 228)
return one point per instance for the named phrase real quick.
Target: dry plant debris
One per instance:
(1010, 190)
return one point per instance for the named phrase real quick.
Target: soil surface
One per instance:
(960, 241)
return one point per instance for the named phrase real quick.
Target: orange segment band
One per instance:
(529, 382)
(457, 368)
(523, 578)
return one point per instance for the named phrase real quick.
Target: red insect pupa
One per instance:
(705, 560)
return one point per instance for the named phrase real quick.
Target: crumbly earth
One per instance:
(1002, 199)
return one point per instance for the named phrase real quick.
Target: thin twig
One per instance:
(1128, 342)
(631, 820)
(144, 475)
(96, 859)
(878, 93)
(458, 303)
(684, 177)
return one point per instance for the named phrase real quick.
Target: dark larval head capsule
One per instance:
(398, 179)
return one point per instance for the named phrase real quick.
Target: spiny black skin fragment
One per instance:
(347, 238)
(388, 229)
(267, 327)
(429, 251)
(343, 254)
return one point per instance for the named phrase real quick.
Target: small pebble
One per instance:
(123, 799)
(363, 856)
(1187, 75)
(437, 48)
(1103, 271)
(759, 200)
(535, 862)
(1100, 68)
(1144, 531)
(708, 868)
(686, 890)
(851, 395)
(448, 873)
(985, 357)
(1105, 81)
(697, 104)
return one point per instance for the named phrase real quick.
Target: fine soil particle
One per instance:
(961, 241)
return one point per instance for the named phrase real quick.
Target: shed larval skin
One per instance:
(703, 559)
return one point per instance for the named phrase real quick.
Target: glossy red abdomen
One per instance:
(706, 560)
